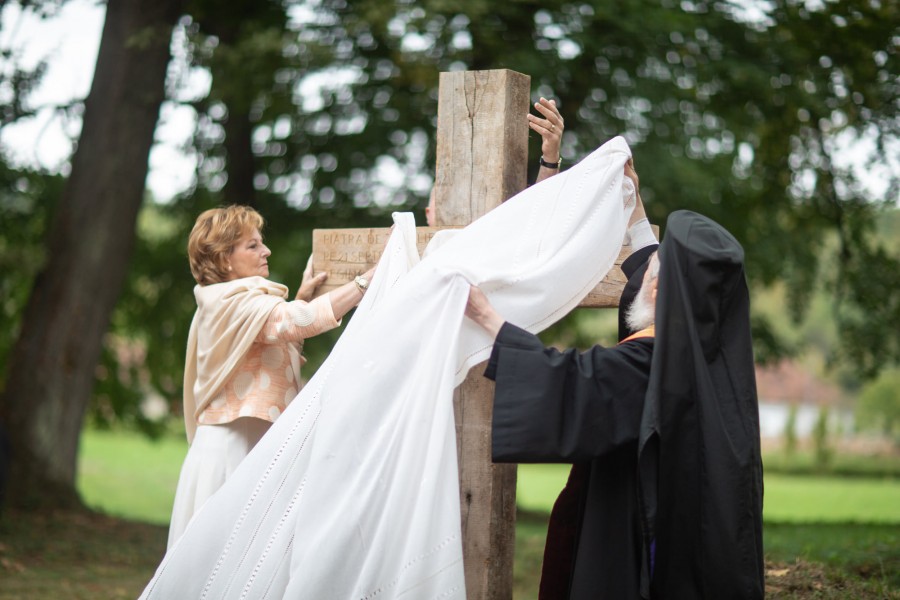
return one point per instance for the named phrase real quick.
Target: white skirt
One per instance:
(216, 452)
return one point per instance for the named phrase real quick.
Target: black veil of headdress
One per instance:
(699, 454)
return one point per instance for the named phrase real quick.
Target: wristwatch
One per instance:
(551, 165)
(361, 283)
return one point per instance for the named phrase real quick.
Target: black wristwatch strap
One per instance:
(551, 165)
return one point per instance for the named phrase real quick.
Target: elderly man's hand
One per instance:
(631, 173)
(480, 310)
(639, 212)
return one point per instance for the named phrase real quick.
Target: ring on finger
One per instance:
(552, 127)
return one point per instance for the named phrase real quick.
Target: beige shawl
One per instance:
(229, 317)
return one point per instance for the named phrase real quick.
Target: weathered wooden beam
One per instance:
(345, 253)
(482, 154)
(482, 142)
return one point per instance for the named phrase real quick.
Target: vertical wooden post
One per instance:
(482, 153)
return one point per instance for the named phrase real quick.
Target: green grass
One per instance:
(834, 561)
(76, 555)
(799, 499)
(825, 537)
(531, 533)
(84, 556)
(869, 549)
(844, 464)
(831, 499)
(539, 485)
(124, 474)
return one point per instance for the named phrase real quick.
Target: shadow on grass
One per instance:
(852, 559)
(77, 555)
(86, 555)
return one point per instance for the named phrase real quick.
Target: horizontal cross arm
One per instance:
(346, 253)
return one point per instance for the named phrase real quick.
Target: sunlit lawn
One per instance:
(126, 475)
(787, 498)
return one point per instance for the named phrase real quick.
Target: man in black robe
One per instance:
(663, 427)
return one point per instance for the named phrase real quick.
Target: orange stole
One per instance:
(643, 333)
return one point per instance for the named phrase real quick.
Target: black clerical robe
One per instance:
(663, 434)
(699, 463)
(612, 473)
(585, 408)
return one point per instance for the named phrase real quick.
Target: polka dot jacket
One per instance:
(268, 377)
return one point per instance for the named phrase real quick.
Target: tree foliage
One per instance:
(27, 196)
(822, 450)
(741, 117)
(879, 405)
(322, 113)
(27, 200)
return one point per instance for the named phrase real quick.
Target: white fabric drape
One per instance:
(353, 492)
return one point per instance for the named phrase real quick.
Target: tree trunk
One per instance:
(234, 83)
(52, 367)
(239, 159)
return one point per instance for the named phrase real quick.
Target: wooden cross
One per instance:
(482, 157)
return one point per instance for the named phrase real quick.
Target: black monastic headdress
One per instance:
(699, 453)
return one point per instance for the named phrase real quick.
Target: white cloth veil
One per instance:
(353, 493)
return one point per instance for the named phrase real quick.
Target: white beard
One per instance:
(642, 312)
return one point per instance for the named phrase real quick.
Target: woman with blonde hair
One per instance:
(242, 366)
